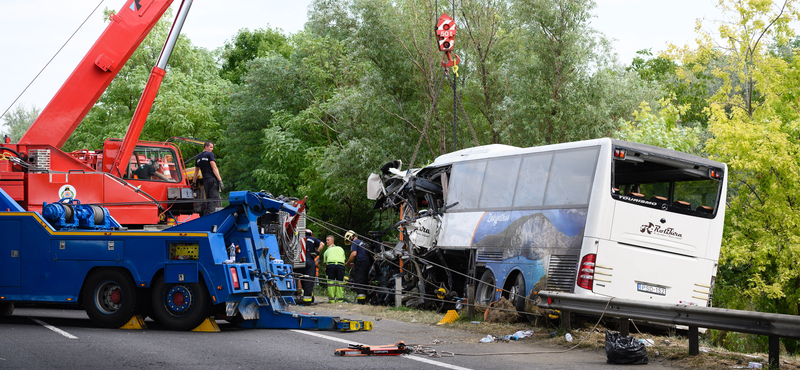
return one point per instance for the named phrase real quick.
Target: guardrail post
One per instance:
(774, 351)
(565, 322)
(624, 327)
(694, 341)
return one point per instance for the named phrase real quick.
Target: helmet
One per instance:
(309, 232)
(349, 236)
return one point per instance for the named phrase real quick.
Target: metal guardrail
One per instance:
(775, 326)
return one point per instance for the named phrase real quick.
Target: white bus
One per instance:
(597, 217)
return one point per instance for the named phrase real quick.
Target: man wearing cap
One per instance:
(359, 261)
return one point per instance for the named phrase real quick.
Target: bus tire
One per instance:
(516, 294)
(484, 294)
(109, 297)
(181, 306)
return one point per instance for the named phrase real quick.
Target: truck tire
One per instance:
(181, 306)
(484, 293)
(109, 298)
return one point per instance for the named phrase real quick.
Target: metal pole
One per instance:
(174, 32)
(624, 327)
(694, 341)
(398, 291)
(774, 351)
(455, 115)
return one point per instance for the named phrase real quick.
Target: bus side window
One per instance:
(679, 204)
(705, 209)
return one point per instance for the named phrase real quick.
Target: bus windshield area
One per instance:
(665, 183)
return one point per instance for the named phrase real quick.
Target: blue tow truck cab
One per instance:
(222, 263)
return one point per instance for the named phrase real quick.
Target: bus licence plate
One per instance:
(651, 289)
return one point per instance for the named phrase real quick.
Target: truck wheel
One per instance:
(181, 306)
(484, 294)
(109, 298)
(517, 293)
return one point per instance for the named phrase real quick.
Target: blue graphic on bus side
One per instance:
(509, 241)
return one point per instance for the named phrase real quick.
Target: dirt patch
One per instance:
(501, 311)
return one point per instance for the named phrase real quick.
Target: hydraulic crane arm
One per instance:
(126, 30)
(149, 93)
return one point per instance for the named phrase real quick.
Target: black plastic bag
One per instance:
(624, 350)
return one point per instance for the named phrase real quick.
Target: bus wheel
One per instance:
(484, 294)
(181, 306)
(517, 293)
(109, 298)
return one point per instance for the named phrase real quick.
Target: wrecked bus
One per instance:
(599, 217)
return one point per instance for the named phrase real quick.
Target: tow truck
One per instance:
(226, 264)
(62, 244)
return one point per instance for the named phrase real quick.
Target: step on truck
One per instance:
(226, 264)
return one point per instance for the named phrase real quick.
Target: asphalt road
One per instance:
(48, 338)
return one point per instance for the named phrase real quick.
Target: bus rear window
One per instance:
(666, 183)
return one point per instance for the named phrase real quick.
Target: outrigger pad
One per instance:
(354, 325)
(208, 325)
(136, 323)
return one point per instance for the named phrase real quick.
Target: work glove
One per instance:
(221, 186)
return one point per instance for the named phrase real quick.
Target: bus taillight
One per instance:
(619, 153)
(586, 272)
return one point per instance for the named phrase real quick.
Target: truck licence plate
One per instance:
(651, 289)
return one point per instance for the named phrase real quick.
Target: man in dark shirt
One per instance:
(212, 181)
(360, 271)
(148, 170)
(312, 244)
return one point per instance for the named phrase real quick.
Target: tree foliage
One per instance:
(17, 121)
(754, 123)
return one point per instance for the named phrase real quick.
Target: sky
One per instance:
(34, 30)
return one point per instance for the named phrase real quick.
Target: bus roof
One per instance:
(498, 150)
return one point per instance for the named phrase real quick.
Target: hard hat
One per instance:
(309, 232)
(349, 236)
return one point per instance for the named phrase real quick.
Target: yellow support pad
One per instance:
(450, 317)
(208, 326)
(136, 323)
(366, 325)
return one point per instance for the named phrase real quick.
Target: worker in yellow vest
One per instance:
(334, 258)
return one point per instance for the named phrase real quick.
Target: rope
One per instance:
(413, 258)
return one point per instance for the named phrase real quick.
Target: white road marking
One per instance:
(415, 358)
(53, 328)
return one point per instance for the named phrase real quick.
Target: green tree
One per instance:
(17, 121)
(662, 128)
(753, 120)
(562, 83)
(247, 45)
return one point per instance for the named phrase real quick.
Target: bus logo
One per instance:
(652, 229)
